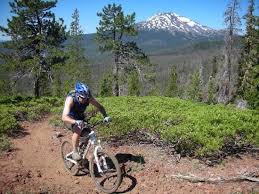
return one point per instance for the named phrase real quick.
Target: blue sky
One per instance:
(205, 12)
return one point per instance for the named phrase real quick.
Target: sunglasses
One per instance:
(82, 97)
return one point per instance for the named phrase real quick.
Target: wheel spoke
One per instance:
(110, 178)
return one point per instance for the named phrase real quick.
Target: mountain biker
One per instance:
(73, 113)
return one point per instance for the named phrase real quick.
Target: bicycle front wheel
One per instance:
(105, 172)
(66, 154)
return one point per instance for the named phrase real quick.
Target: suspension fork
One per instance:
(96, 159)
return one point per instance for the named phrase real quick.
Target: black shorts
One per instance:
(73, 127)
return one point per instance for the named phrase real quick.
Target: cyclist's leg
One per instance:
(75, 139)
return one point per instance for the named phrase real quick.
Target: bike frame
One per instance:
(91, 142)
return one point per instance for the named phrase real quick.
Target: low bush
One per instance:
(18, 108)
(5, 143)
(198, 129)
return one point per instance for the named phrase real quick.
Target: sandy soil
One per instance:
(34, 165)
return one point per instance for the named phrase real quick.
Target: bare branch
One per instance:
(195, 179)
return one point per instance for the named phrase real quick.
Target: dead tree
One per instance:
(226, 79)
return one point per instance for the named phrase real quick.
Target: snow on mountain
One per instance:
(173, 23)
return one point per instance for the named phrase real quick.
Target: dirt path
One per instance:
(35, 166)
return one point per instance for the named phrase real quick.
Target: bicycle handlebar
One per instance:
(95, 124)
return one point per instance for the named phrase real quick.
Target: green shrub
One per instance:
(201, 129)
(56, 121)
(16, 108)
(7, 122)
(198, 128)
(5, 143)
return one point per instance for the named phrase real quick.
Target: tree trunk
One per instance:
(224, 88)
(37, 88)
(116, 76)
(224, 83)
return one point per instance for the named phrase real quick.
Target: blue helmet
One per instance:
(82, 90)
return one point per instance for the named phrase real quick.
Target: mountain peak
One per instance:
(173, 22)
(165, 14)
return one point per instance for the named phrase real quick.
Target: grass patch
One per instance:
(201, 129)
(18, 108)
(5, 143)
(198, 128)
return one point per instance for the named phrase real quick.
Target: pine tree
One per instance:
(106, 86)
(214, 66)
(252, 92)
(248, 74)
(194, 91)
(254, 102)
(58, 86)
(133, 84)
(172, 89)
(153, 88)
(4, 88)
(77, 65)
(36, 38)
(114, 26)
(211, 90)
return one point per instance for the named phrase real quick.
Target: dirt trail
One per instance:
(35, 166)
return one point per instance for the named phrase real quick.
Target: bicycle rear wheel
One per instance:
(110, 178)
(66, 150)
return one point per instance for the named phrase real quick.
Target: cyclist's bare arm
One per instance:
(94, 102)
(67, 107)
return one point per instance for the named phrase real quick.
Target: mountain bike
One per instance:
(103, 166)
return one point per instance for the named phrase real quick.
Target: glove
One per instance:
(107, 119)
(80, 124)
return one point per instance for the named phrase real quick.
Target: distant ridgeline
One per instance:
(169, 39)
(165, 50)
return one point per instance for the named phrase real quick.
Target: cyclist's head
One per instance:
(82, 90)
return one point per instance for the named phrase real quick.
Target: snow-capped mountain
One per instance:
(174, 23)
(165, 33)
